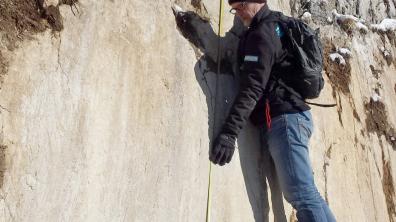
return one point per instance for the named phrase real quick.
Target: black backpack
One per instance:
(306, 48)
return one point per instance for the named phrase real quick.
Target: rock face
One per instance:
(107, 109)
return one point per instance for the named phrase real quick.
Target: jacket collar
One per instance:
(261, 15)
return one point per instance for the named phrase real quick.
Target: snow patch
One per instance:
(178, 8)
(385, 25)
(336, 56)
(345, 52)
(306, 16)
(362, 27)
(375, 97)
(341, 17)
(359, 23)
(340, 55)
(385, 51)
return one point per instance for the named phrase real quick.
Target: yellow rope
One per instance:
(221, 18)
(220, 34)
(209, 200)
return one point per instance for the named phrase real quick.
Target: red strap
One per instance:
(268, 113)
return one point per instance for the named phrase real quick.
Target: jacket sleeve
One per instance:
(259, 57)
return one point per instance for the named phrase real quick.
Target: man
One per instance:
(285, 120)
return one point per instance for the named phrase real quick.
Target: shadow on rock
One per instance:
(220, 91)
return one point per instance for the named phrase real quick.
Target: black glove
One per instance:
(223, 149)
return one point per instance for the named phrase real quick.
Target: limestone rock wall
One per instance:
(107, 110)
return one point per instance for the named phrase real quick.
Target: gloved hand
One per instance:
(222, 150)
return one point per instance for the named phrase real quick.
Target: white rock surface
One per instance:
(111, 120)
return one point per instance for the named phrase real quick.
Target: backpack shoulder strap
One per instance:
(285, 22)
(276, 16)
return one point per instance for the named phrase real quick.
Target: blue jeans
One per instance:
(287, 141)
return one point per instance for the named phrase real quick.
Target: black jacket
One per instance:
(262, 55)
